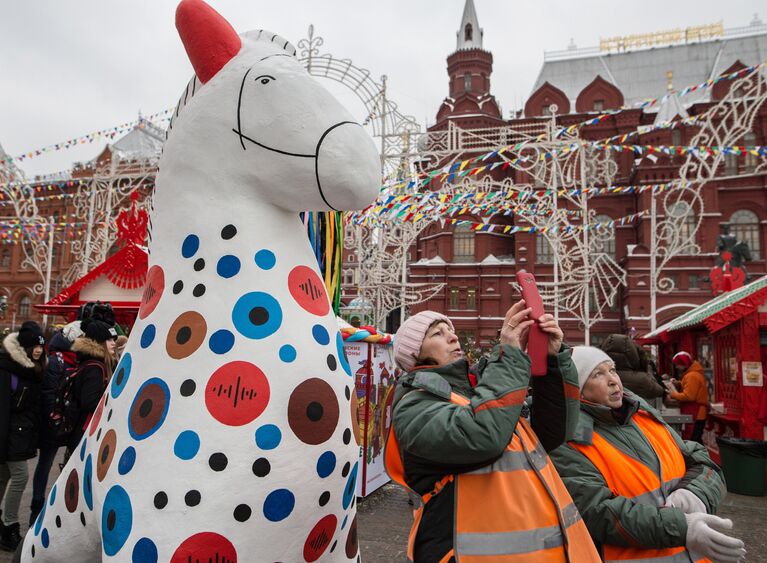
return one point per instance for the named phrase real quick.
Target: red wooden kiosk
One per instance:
(728, 335)
(118, 280)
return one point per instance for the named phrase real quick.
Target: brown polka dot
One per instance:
(106, 453)
(72, 491)
(313, 411)
(355, 419)
(186, 335)
(147, 410)
(352, 545)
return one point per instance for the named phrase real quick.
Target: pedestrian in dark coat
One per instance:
(22, 364)
(96, 361)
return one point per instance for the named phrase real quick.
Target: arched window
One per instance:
(544, 253)
(467, 81)
(5, 261)
(347, 277)
(468, 32)
(25, 304)
(744, 224)
(749, 160)
(676, 137)
(463, 244)
(605, 235)
(684, 214)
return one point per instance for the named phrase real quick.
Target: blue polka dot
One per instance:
(127, 459)
(39, 521)
(257, 315)
(287, 353)
(116, 520)
(147, 337)
(122, 373)
(351, 487)
(187, 445)
(342, 354)
(228, 266)
(268, 437)
(278, 505)
(82, 448)
(52, 496)
(326, 464)
(145, 551)
(221, 341)
(88, 482)
(149, 399)
(265, 259)
(45, 539)
(320, 334)
(190, 246)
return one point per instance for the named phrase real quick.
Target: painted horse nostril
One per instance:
(348, 167)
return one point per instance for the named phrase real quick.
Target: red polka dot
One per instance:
(155, 284)
(307, 289)
(205, 546)
(97, 416)
(237, 393)
(319, 538)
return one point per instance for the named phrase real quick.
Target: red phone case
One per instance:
(537, 340)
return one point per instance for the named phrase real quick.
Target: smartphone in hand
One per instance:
(537, 340)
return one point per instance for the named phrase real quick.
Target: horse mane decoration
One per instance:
(226, 432)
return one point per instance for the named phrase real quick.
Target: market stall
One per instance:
(728, 336)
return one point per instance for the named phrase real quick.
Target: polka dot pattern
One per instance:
(106, 454)
(187, 445)
(237, 393)
(257, 315)
(204, 546)
(313, 411)
(228, 266)
(149, 408)
(268, 437)
(127, 460)
(145, 551)
(221, 341)
(320, 334)
(121, 375)
(319, 538)
(326, 464)
(147, 336)
(88, 482)
(116, 520)
(153, 290)
(190, 246)
(185, 335)
(278, 505)
(308, 290)
(265, 259)
(287, 353)
(342, 354)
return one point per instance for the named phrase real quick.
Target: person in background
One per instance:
(96, 360)
(692, 394)
(457, 439)
(644, 493)
(61, 359)
(120, 343)
(22, 365)
(633, 366)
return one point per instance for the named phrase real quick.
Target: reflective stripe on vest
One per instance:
(628, 477)
(513, 511)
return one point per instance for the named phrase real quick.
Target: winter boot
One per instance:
(11, 538)
(34, 510)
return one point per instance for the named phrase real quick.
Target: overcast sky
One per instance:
(70, 67)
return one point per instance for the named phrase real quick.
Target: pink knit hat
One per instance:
(409, 337)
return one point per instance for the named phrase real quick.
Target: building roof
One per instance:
(143, 142)
(641, 74)
(469, 17)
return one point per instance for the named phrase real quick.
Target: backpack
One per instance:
(66, 408)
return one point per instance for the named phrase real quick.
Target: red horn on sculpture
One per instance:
(210, 41)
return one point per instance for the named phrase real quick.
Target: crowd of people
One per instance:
(46, 400)
(594, 475)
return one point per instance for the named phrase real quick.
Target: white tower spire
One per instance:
(469, 35)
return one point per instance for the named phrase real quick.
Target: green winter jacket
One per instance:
(439, 438)
(640, 525)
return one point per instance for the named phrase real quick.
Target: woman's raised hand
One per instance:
(516, 325)
(550, 326)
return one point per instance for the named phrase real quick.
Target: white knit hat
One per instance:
(586, 359)
(409, 337)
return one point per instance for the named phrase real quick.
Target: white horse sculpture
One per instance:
(226, 432)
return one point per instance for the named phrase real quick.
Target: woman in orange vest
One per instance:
(489, 491)
(644, 494)
(693, 397)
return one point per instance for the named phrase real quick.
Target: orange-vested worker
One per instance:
(489, 491)
(645, 494)
(693, 396)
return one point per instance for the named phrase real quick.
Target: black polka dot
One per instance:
(188, 387)
(332, 364)
(98, 435)
(105, 454)
(199, 290)
(242, 512)
(324, 498)
(347, 392)
(160, 500)
(111, 520)
(120, 376)
(58, 521)
(178, 287)
(261, 467)
(145, 408)
(106, 400)
(332, 547)
(109, 415)
(33, 551)
(192, 498)
(218, 461)
(82, 518)
(345, 470)
(183, 335)
(199, 264)
(258, 315)
(228, 232)
(314, 411)
(347, 437)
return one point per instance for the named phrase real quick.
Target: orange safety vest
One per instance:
(629, 477)
(515, 510)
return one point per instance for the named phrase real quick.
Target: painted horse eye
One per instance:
(264, 78)
(265, 81)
